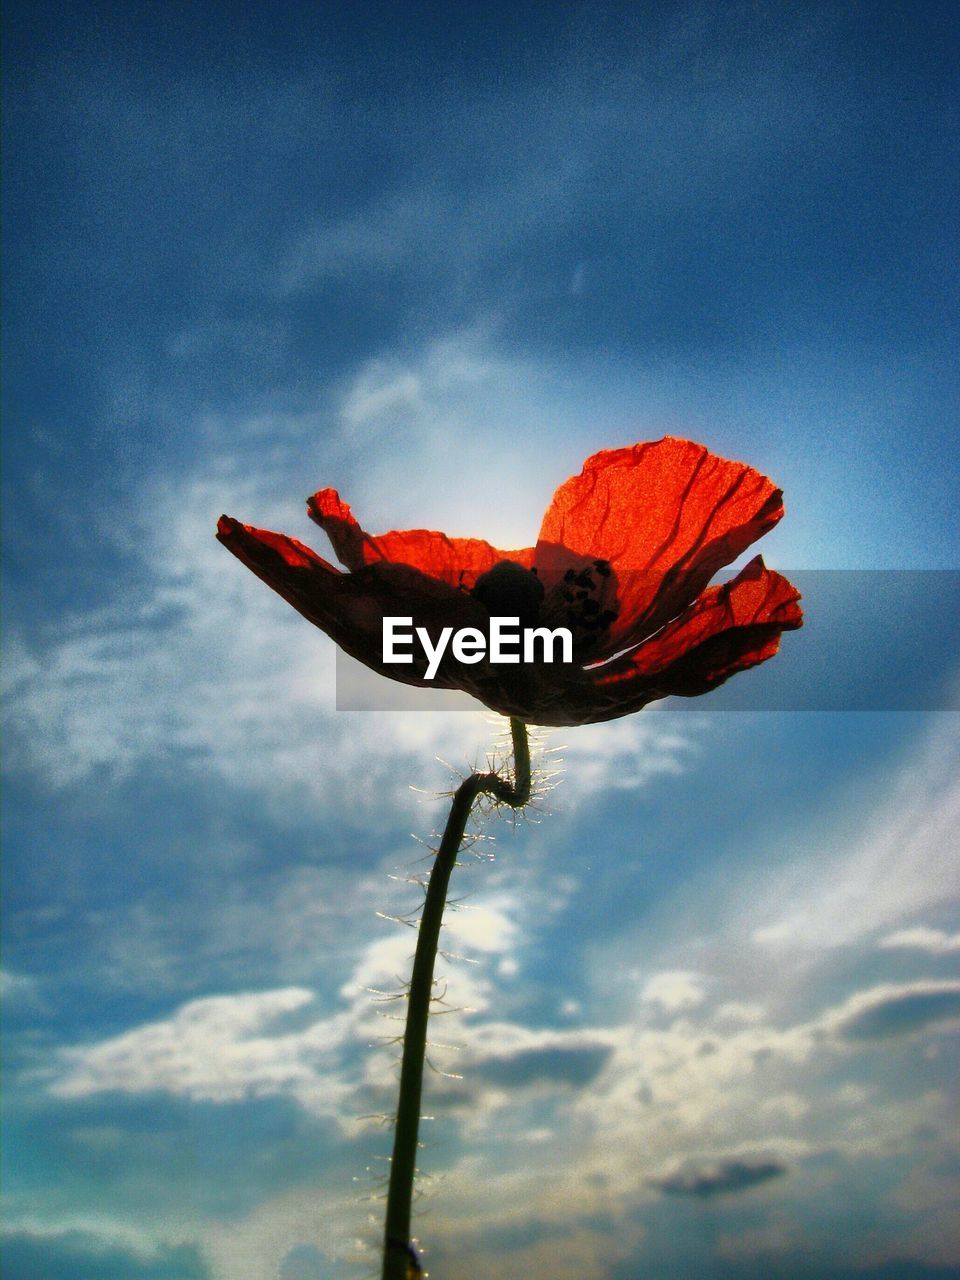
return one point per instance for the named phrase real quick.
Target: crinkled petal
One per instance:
(666, 516)
(728, 629)
(456, 561)
(350, 607)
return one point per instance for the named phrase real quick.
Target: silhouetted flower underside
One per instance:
(625, 554)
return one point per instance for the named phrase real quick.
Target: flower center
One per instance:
(508, 590)
(583, 594)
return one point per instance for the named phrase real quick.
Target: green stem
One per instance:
(398, 1255)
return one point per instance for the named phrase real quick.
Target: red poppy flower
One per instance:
(624, 557)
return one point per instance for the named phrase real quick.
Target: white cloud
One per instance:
(486, 928)
(904, 861)
(450, 437)
(754, 1075)
(623, 755)
(674, 990)
(19, 989)
(94, 1240)
(224, 1048)
(377, 237)
(761, 1091)
(205, 666)
(711, 1062)
(894, 1009)
(382, 392)
(922, 938)
(253, 1246)
(190, 671)
(742, 1058)
(741, 1011)
(217, 1048)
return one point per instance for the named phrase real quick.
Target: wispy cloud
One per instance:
(185, 669)
(520, 169)
(891, 1010)
(922, 938)
(218, 1048)
(20, 991)
(623, 755)
(228, 1047)
(382, 394)
(903, 863)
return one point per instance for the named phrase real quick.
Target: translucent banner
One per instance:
(871, 640)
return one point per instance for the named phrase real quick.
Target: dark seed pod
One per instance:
(508, 590)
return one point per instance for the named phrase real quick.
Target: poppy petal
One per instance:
(728, 629)
(350, 607)
(666, 516)
(456, 561)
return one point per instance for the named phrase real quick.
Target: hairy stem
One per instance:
(399, 1259)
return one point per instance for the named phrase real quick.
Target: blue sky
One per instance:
(435, 257)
